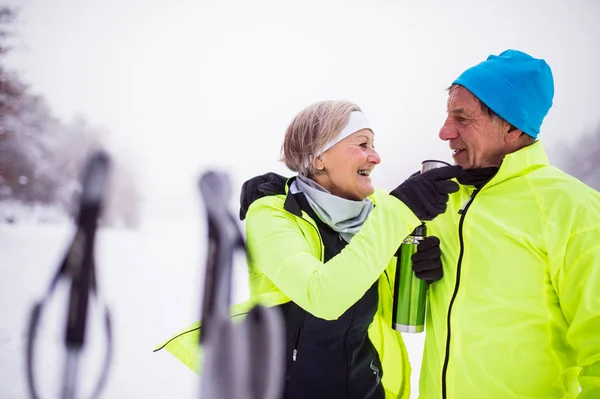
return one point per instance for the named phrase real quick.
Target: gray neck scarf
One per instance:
(342, 215)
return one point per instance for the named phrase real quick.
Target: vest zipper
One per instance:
(289, 373)
(320, 238)
(301, 217)
(346, 350)
(299, 331)
(297, 343)
(462, 212)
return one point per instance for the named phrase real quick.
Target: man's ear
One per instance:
(512, 134)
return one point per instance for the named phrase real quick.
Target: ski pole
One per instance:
(78, 266)
(245, 360)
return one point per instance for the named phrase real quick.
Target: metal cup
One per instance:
(432, 164)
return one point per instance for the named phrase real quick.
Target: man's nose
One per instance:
(448, 131)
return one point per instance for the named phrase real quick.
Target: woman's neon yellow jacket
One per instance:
(519, 303)
(284, 264)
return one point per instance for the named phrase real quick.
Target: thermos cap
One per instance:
(420, 231)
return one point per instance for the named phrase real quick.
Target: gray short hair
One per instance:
(311, 130)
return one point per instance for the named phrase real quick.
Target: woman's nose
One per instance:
(374, 157)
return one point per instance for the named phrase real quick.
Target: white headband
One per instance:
(357, 121)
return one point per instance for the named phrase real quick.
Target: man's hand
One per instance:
(258, 187)
(427, 262)
(426, 194)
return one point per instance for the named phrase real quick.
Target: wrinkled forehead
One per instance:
(461, 99)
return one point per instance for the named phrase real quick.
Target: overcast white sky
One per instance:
(188, 85)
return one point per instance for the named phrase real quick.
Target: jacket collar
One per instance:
(291, 204)
(520, 163)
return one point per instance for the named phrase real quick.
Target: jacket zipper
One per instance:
(462, 212)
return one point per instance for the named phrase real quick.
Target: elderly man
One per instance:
(517, 314)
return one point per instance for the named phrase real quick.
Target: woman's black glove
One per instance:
(426, 194)
(427, 262)
(258, 187)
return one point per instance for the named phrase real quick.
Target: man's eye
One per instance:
(461, 120)
(363, 145)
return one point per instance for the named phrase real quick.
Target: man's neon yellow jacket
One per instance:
(290, 250)
(517, 314)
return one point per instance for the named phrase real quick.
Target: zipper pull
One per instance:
(294, 355)
(462, 209)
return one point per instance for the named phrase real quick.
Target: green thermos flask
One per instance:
(410, 292)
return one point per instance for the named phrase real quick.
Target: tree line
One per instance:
(41, 157)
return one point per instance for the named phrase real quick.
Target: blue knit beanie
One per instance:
(516, 86)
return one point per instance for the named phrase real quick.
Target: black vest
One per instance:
(331, 359)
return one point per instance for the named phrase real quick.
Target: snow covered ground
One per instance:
(150, 278)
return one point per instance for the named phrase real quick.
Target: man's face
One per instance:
(477, 139)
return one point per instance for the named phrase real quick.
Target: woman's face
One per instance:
(346, 167)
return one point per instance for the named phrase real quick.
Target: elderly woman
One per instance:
(323, 252)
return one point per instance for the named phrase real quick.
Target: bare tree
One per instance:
(582, 160)
(41, 158)
(7, 17)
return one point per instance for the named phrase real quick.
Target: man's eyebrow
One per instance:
(460, 111)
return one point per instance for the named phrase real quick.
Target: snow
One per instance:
(151, 280)
(15, 211)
